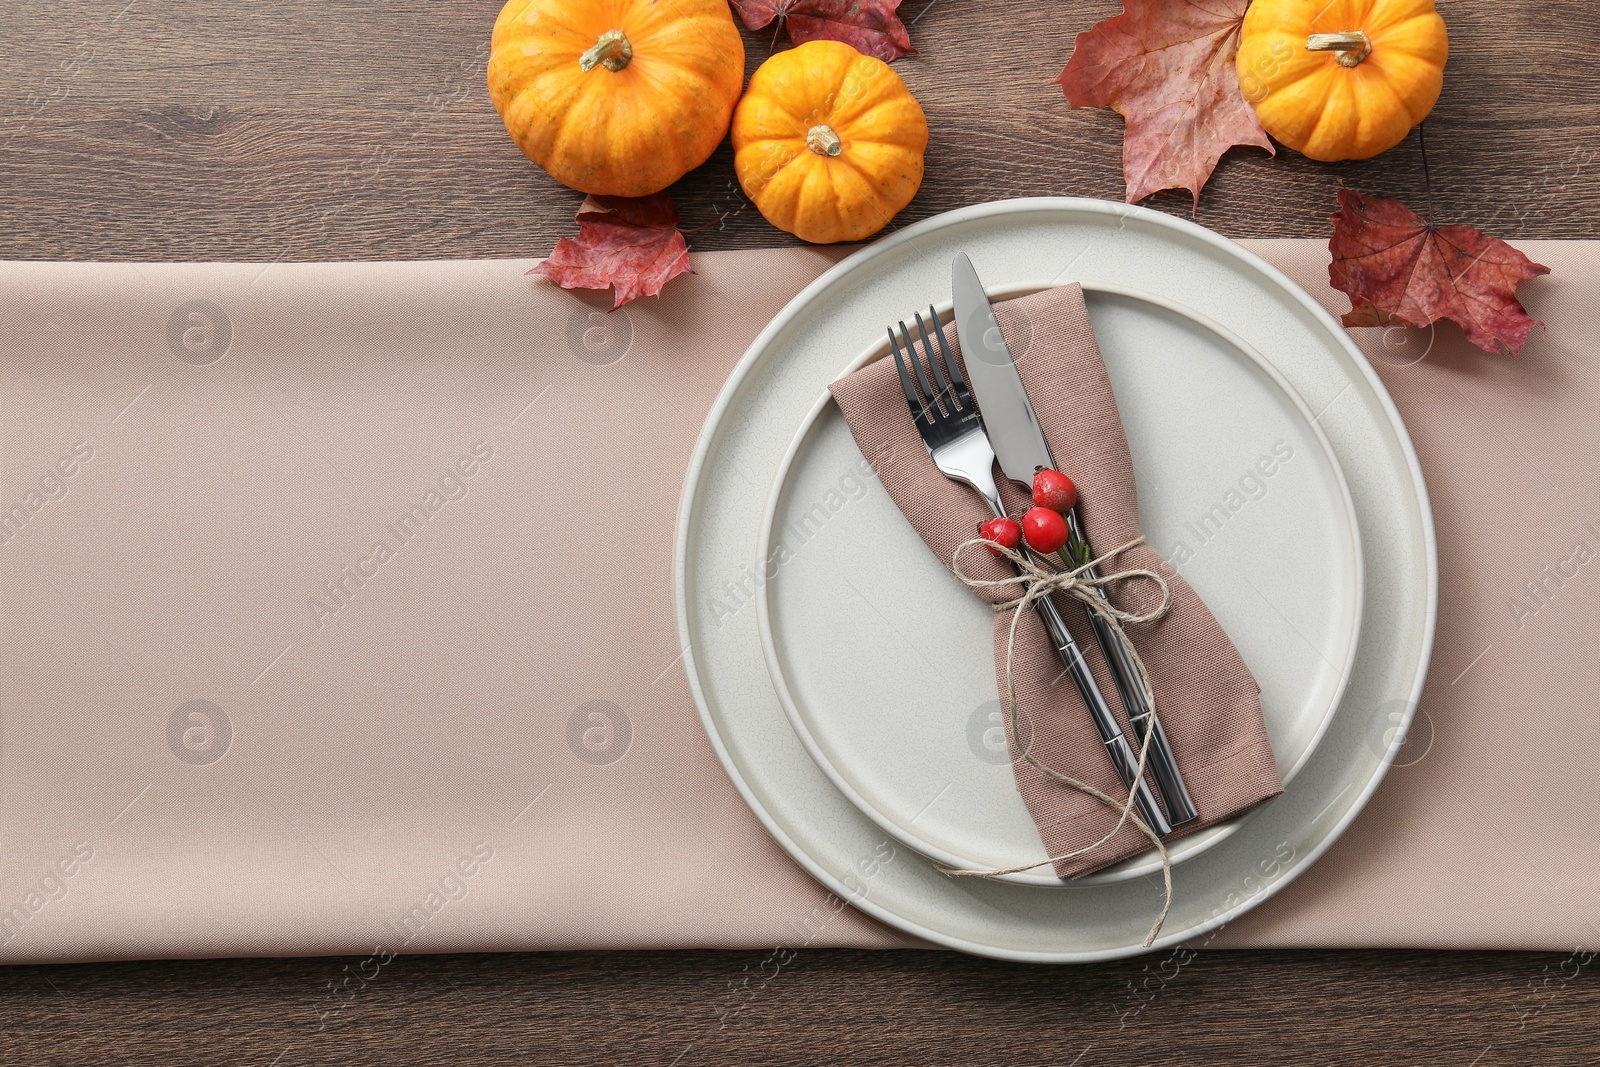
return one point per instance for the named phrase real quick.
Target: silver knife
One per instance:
(1022, 450)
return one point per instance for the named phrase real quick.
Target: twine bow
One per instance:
(1089, 589)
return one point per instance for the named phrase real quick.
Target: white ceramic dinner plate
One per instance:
(1238, 309)
(885, 663)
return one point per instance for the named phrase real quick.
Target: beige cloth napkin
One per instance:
(490, 740)
(1205, 695)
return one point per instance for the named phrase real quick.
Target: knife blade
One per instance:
(1021, 449)
(1008, 416)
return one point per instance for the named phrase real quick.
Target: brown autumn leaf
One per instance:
(1167, 66)
(871, 27)
(631, 244)
(1396, 266)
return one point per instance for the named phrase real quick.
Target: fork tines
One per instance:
(947, 393)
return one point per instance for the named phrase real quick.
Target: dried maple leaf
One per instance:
(871, 27)
(631, 244)
(1167, 66)
(1396, 266)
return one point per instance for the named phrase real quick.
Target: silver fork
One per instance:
(947, 418)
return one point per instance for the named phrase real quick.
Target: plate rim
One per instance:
(1135, 866)
(790, 311)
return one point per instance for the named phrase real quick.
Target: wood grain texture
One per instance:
(691, 1009)
(331, 129)
(327, 129)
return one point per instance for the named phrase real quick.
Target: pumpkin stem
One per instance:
(612, 51)
(823, 141)
(1353, 46)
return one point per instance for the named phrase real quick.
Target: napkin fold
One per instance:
(1205, 695)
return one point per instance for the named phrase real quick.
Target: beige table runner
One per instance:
(335, 613)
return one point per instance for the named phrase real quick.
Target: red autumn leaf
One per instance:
(871, 27)
(1167, 66)
(1395, 266)
(629, 243)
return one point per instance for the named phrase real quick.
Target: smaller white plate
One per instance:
(882, 659)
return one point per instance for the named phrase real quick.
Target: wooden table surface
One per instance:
(329, 129)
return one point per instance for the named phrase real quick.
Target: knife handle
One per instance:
(1121, 752)
(1162, 762)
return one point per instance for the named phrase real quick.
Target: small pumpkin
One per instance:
(1344, 79)
(828, 143)
(620, 97)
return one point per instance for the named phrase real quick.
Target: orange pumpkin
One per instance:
(618, 97)
(1342, 79)
(828, 143)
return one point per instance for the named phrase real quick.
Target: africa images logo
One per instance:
(51, 487)
(599, 733)
(737, 592)
(1250, 486)
(452, 486)
(199, 333)
(52, 886)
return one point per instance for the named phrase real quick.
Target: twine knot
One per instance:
(1082, 583)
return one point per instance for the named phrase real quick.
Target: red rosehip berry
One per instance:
(1054, 490)
(1045, 530)
(1003, 532)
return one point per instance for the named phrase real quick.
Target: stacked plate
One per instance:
(846, 679)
